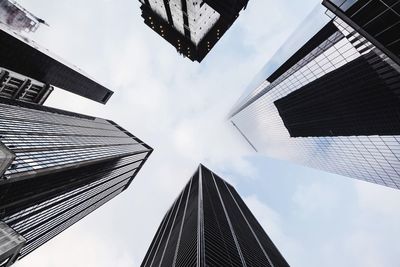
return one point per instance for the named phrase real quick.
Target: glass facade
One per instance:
(210, 225)
(192, 27)
(63, 166)
(331, 105)
(378, 21)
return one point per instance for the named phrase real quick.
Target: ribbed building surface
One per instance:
(210, 225)
(57, 167)
(192, 27)
(329, 99)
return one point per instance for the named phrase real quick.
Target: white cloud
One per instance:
(310, 200)
(384, 201)
(78, 248)
(351, 227)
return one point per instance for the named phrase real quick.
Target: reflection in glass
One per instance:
(332, 104)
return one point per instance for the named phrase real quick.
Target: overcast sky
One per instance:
(179, 108)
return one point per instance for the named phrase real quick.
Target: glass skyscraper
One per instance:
(330, 97)
(57, 167)
(192, 27)
(210, 225)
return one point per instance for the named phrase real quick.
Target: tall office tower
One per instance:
(210, 225)
(56, 167)
(193, 27)
(329, 99)
(27, 58)
(18, 18)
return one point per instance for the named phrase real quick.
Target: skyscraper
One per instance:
(192, 27)
(27, 58)
(329, 98)
(56, 167)
(210, 225)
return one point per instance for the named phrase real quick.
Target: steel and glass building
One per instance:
(27, 58)
(56, 167)
(210, 225)
(330, 97)
(193, 27)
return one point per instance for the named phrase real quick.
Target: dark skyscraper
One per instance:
(330, 97)
(193, 27)
(25, 57)
(57, 167)
(210, 225)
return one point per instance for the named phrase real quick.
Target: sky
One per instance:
(180, 108)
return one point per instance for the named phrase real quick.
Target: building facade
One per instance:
(192, 27)
(27, 58)
(329, 99)
(210, 225)
(57, 167)
(18, 87)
